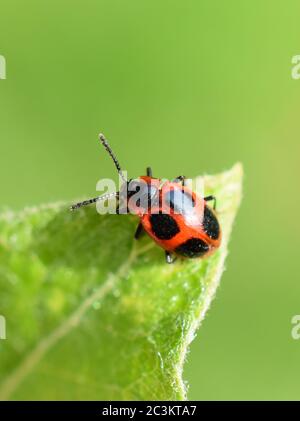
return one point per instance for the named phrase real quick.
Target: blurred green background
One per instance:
(190, 88)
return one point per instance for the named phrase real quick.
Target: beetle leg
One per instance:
(139, 231)
(211, 198)
(169, 257)
(149, 171)
(180, 179)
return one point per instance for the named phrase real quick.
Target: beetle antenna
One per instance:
(112, 155)
(94, 200)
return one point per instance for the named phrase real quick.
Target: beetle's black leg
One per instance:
(149, 171)
(213, 198)
(139, 231)
(180, 178)
(169, 257)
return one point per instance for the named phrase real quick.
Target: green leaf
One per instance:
(91, 313)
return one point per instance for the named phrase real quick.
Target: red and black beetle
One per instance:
(171, 213)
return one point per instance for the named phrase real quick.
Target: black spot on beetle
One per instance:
(210, 224)
(164, 226)
(194, 247)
